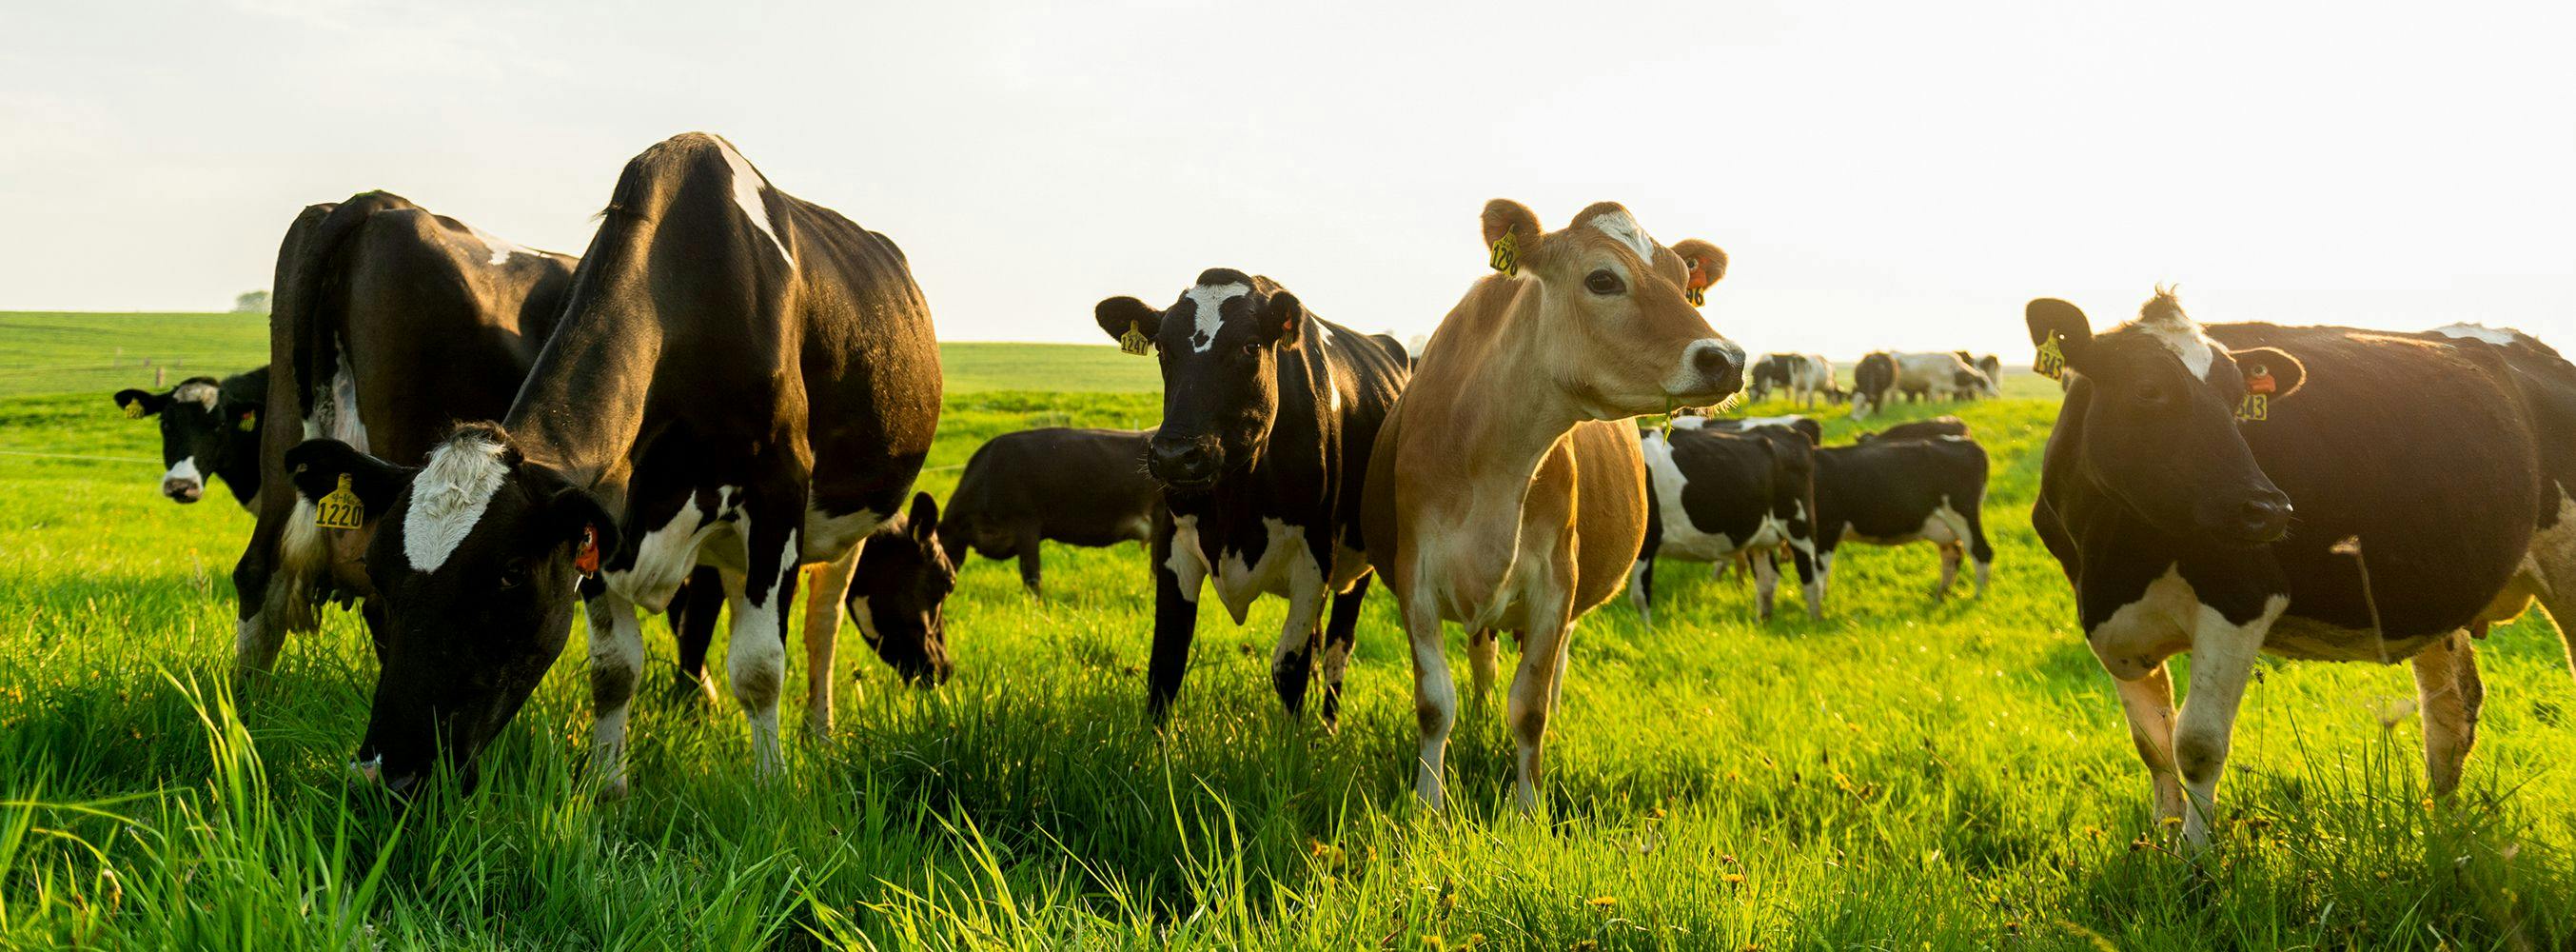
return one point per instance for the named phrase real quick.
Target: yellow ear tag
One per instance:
(1506, 255)
(134, 411)
(249, 422)
(2052, 359)
(341, 509)
(1134, 341)
(2257, 406)
(1697, 296)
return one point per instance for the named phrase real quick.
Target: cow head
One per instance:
(474, 559)
(902, 578)
(1220, 345)
(2157, 403)
(206, 427)
(1599, 312)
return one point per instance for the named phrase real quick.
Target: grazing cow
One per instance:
(1993, 367)
(896, 594)
(1872, 382)
(741, 379)
(1725, 497)
(2423, 513)
(1804, 376)
(1804, 426)
(1769, 373)
(1268, 415)
(391, 324)
(209, 427)
(1506, 491)
(1894, 492)
(1934, 428)
(1079, 487)
(1938, 375)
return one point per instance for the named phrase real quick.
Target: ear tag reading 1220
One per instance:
(1507, 256)
(2052, 359)
(341, 509)
(587, 560)
(1134, 341)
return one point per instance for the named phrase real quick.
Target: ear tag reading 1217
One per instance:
(1134, 341)
(1506, 255)
(2052, 359)
(341, 509)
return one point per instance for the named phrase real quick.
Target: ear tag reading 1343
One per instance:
(587, 560)
(341, 509)
(2052, 359)
(2258, 396)
(1134, 341)
(1506, 255)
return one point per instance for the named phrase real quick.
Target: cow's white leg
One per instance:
(1640, 577)
(1533, 699)
(1766, 580)
(2447, 685)
(1435, 698)
(616, 662)
(830, 582)
(1950, 555)
(1480, 664)
(2222, 660)
(1985, 571)
(2149, 703)
(1292, 660)
(756, 648)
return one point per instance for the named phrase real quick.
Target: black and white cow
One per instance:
(1804, 376)
(1940, 375)
(1873, 381)
(391, 324)
(209, 427)
(1993, 368)
(740, 379)
(1808, 427)
(1076, 486)
(897, 593)
(1719, 497)
(1269, 413)
(2423, 512)
(1894, 492)
(1934, 428)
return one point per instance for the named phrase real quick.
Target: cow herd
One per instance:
(726, 400)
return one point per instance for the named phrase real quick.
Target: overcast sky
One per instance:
(1899, 174)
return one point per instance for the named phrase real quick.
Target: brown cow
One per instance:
(1509, 448)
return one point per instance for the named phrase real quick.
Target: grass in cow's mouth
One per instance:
(1902, 774)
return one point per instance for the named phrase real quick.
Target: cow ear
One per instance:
(923, 520)
(1707, 262)
(1510, 229)
(578, 519)
(141, 403)
(316, 466)
(2057, 322)
(2287, 372)
(1281, 318)
(1123, 316)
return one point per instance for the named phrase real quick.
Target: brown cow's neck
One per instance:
(1499, 443)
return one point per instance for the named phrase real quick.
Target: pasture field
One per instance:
(1906, 774)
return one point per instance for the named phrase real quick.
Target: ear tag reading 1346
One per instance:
(587, 560)
(1697, 296)
(1507, 257)
(341, 509)
(1134, 341)
(2052, 359)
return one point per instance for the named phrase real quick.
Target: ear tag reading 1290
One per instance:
(341, 509)
(1134, 341)
(587, 560)
(1506, 255)
(2052, 359)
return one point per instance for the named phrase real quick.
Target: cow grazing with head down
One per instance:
(1901, 491)
(1075, 486)
(1507, 492)
(1873, 381)
(209, 427)
(1937, 375)
(1727, 496)
(1803, 376)
(2422, 513)
(391, 324)
(741, 379)
(1269, 412)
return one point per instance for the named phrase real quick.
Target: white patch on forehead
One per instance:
(501, 248)
(747, 185)
(448, 498)
(197, 392)
(1208, 300)
(2498, 336)
(1624, 227)
(2185, 340)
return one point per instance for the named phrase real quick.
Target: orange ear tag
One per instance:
(2261, 382)
(587, 560)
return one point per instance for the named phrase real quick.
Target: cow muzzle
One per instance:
(1711, 369)
(183, 490)
(1185, 463)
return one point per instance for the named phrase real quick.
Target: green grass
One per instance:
(1902, 775)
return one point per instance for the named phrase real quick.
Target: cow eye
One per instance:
(514, 573)
(2151, 395)
(1252, 350)
(1602, 282)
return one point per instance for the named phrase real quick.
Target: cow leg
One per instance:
(1641, 593)
(1341, 633)
(1766, 581)
(1027, 547)
(756, 648)
(2222, 660)
(2148, 701)
(2446, 683)
(694, 612)
(1292, 661)
(1950, 556)
(1481, 646)
(1533, 699)
(1811, 580)
(616, 662)
(1178, 575)
(1435, 698)
(822, 635)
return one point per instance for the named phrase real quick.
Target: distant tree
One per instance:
(251, 302)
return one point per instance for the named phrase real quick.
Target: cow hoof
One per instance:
(613, 791)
